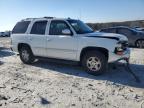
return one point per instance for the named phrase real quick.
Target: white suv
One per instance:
(69, 40)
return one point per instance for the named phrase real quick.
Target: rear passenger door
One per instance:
(37, 38)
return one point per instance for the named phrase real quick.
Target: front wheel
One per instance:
(94, 62)
(26, 55)
(140, 43)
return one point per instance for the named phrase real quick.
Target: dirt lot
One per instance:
(53, 85)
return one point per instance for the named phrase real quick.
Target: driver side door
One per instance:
(59, 45)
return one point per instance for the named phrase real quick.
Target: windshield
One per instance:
(80, 27)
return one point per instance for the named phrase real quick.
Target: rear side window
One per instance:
(111, 30)
(39, 28)
(125, 31)
(21, 27)
(103, 30)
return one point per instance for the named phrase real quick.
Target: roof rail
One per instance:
(30, 18)
(48, 17)
(42, 17)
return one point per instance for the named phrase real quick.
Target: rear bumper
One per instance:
(14, 48)
(114, 57)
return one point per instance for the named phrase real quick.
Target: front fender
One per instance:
(108, 44)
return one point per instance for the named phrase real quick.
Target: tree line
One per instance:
(98, 26)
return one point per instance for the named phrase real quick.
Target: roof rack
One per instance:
(42, 17)
(49, 17)
(30, 18)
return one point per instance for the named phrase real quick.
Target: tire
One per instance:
(140, 43)
(94, 62)
(26, 55)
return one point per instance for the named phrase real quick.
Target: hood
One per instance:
(107, 35)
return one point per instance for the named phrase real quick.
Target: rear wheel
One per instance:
(26, 55)
(140, 43)
(94, 62)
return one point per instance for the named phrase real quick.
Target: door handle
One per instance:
(48, 39)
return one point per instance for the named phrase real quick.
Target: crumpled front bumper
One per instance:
(114, 57)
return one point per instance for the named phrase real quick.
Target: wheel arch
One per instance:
(20, 45)
(86, 49)
(138, 40)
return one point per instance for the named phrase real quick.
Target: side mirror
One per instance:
(66, 32)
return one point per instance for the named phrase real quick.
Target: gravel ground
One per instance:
(55, 85)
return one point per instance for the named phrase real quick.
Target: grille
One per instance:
(124, 45)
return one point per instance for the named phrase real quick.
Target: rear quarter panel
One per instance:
(18, 38)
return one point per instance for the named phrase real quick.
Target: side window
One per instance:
(56, 27)
(103, 30)
(124, 31)
(21, 27)
(112, 30)
(39, 28)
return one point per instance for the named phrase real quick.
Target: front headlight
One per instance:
(121, 47)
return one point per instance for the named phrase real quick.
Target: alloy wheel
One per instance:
(94, 64)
